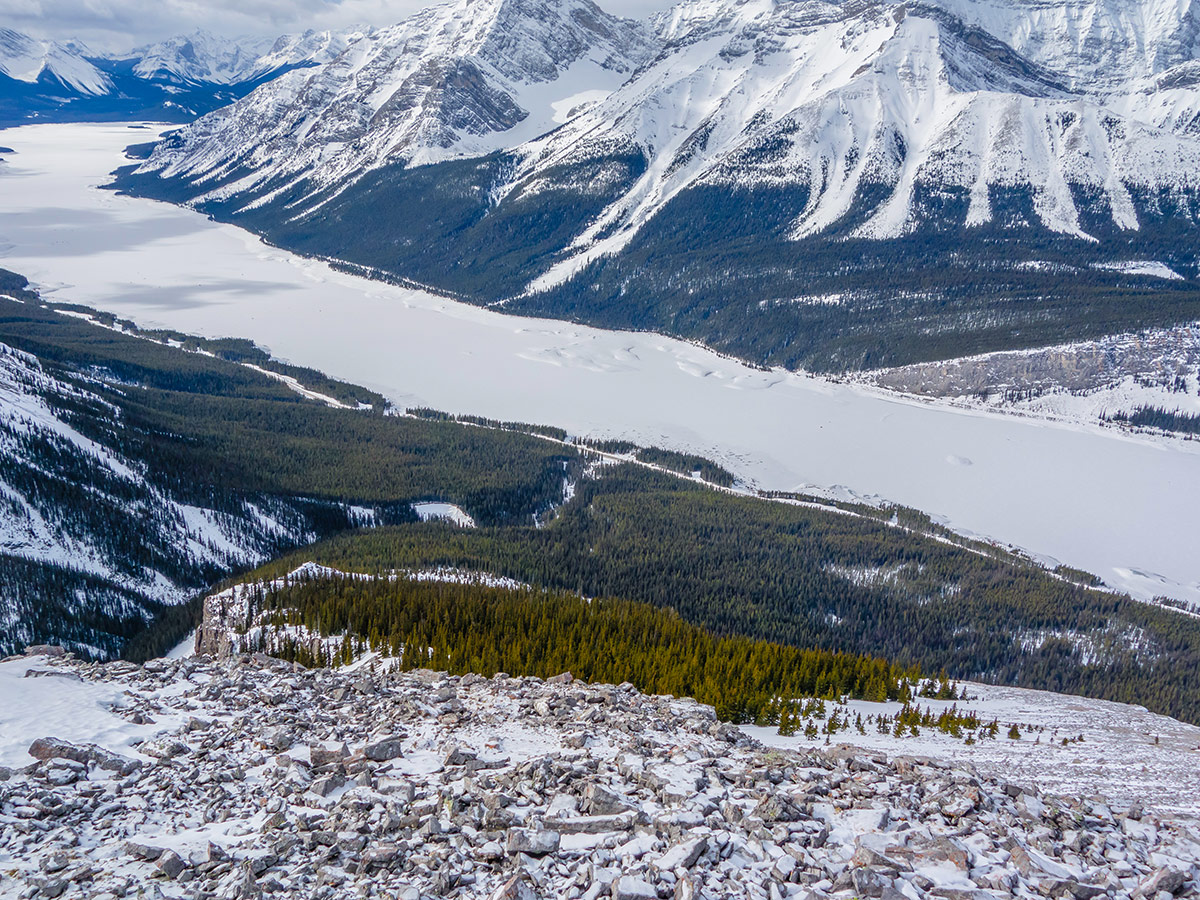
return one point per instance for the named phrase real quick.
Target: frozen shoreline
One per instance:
(1119, 505)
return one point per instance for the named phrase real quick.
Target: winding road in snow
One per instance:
(1123, 507)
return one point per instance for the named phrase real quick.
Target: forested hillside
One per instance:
(813, 578)
(149, 472)
(134, 473)
(465, 625)
(721, 266)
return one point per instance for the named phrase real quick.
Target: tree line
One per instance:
(473, 627)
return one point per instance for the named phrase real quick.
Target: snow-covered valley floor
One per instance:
(1120, 506)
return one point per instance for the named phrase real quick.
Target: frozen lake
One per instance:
(1125, 508)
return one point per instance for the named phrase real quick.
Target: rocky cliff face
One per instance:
(214, 635)
(274, 780)
(1161, 358)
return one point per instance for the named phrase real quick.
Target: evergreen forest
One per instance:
(205, 430)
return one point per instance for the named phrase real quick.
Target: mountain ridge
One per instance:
(175, 80)
(756, 159)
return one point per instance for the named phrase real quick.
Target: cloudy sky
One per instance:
(121, 24)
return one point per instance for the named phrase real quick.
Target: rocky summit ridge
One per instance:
(269, 780)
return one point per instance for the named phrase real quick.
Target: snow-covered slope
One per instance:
(1091, 45)
(87, 539)
(25, 59)
(1169, 100)
(461, 78)
(867, 113)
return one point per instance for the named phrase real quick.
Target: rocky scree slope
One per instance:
(268, 779)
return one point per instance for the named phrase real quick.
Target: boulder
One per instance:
(531, 842)
(320, 756)
(171, 864)
(459, 756)
(327, 784)
(148, 852)
(591, 824)
(1164, 879)
(600, 801)
(51, 650)
(516, 888)
(683, 855)
(88, 754)
(384, 749)
(871, 882)
(629, 888)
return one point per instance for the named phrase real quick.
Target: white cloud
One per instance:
(121, 24)
(117, 25)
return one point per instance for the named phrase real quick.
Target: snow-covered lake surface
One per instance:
(1123, 507)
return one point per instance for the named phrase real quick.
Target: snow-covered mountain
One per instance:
(174, 80)
(463, 78)
(25, 59)
(845, 98)
(891, 104)
(795, 121)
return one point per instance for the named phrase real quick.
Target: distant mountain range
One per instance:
(809, 184)
(175, 80)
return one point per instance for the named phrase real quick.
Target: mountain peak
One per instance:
(462, 77)
(27, 59)
(201, 57)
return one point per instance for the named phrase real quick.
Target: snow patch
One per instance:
(1166, 750)
(1149, 267)
(444, 512)
(39, 701)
